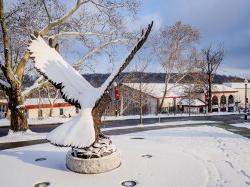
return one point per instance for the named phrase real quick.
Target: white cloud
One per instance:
(142, 21)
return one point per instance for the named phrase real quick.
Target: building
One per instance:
(240, 95)
(224, 98)
(187, 105)
(128, 97)
(179, 99)
(39, 108)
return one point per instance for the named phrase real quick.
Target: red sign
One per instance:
(117, 94)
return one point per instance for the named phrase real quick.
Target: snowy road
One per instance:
(26, 139)
(184, 156)
(48, 124)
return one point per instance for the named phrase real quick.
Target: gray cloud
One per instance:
(226, 21)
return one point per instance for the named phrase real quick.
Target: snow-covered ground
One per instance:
(22, 136)
(5, 122)
(184, 156)
(165, 115)
(25, 136)
(245, 125)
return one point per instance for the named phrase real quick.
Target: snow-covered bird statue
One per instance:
(81, 132)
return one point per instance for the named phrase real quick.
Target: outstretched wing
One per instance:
(108, 83)
(74, 88)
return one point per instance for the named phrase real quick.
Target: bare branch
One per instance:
(21, 66)
(97, 49)
(78, 34)
(36, 85)
(57, 22)
(118, 5)
(46, 9)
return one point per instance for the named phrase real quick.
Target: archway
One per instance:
(214, 104)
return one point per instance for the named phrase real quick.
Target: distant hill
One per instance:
(223, 78)
(97, 79)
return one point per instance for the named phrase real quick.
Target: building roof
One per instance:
(174, 90)
(37, 101)
(236, 85)
(157, 89)
(33, 101)
(223, 88)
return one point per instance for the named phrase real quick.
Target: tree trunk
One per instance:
(162, 101)
(18, 118)
(164, 94)
(140, 101)
(51, 110)
(97, 113)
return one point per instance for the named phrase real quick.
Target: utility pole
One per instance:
(189, 103)
(246, 99)
(140, 98)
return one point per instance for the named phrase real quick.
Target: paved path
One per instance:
(221, 122)
(228, 119)
(11, 145)
(237, 130)
(107, 132)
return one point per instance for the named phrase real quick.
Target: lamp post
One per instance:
(246, 100)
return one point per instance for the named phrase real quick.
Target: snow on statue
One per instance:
(81, 132)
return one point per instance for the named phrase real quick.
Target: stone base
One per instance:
(93, 165)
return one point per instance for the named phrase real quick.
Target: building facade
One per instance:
(40, 108)
(177, 100)
(243, 91)
(224, 98)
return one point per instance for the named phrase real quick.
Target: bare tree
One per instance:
(51, 21)
(100, 31)
(211, 60)
(174, 44)
(52, 96)
(192, 90)
(14, 73)
(137, 80)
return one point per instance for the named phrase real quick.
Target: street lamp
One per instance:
(246, 100)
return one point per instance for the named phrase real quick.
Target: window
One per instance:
(40, 113)
(61, 111)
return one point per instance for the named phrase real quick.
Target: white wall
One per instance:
(33, 113)
(192, 109)
(152, 105)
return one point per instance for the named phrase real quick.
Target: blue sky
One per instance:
(226, 21)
